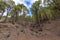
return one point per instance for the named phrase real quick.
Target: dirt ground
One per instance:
(51, 31)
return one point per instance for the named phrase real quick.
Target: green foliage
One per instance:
(55, 8)
(2, 6)
(48, 12)
(16, 10)
(28, 18)
(35, 8)
(39, 13)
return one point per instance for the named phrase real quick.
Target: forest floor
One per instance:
(51, 31)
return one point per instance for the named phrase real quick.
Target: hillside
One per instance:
(51, 31)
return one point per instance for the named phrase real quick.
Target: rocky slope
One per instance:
(51, 31)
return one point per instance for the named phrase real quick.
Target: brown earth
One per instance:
(51, 31)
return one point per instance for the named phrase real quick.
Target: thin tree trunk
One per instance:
(1, 16)
(38, 21)
(6, 17)
(13, 19)
(16, 19)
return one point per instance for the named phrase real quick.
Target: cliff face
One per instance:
(51, 31)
